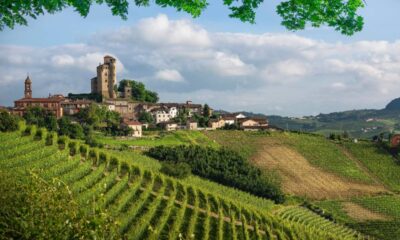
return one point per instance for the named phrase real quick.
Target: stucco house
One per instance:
(135, 126)
(191, 125)
(216, 123)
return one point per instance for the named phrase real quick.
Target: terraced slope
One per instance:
(306, 217)
(149, 205)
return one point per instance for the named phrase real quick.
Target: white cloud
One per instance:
(63, 60)
(232, 71)
(171, 75)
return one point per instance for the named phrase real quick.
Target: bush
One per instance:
(50, 139)
(102, 158)
(83, 151)
(8, 122)
(39, 134)
(61, 141)
(113, 164)
(93, 156)
(124, 169)
(73, 148)
(178, 170)
(134, 173)
(27, 131)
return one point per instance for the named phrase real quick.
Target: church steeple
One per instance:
(28, 88)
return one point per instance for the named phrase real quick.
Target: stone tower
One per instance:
(106, 78)
(28, 88)
(127, 91)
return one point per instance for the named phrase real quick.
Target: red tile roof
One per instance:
(40, 100)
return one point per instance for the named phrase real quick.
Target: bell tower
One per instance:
(28, 88)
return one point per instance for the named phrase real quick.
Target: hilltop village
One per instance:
(136, 114)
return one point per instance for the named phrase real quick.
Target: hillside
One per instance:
(356, 182)
(150, 205)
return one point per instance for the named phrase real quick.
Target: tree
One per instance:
(296, 14)
(41, 117)
(139, 91)
(145, 117)
(8, 122)
(67, 128)
(206, 111)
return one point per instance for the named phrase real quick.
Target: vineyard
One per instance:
(149, 205)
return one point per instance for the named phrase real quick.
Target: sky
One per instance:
(212, 59)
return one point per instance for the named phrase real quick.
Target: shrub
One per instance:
(27, 131)
(39, 134)
(93, 156)
(83, 151)
(148, 175)
(178, 170)
(134, 173)
(113, 163)
(124, 169)
(61, 141)
(102, 158)
(8, 122)
(73, 148)
(50, 139)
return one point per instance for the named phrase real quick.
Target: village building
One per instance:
(191, 125)
(253, 123)
(51, 103)
(160, 116)
(229, 120)
(71, 107)
(135, 126)
(170, 126)
(216, 123)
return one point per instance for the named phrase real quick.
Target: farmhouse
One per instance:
(135, 126)
(191, 125)
(216, 123)
(253, 123)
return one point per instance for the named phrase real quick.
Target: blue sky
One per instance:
(287, 78)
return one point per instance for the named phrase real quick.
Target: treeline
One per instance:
(223, 166)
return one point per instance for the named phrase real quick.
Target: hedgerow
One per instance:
(223, 166)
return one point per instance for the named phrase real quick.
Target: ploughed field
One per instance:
(150, 205)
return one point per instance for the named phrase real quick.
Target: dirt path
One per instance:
(362, 214)
(301, 178)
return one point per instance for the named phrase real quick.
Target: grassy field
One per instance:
(151, 139)
(149, 205)
(378, 162)
(245, 143)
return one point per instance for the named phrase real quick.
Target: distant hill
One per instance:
(393, 105)
(364, 123)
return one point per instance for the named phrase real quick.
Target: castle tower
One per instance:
(106, 78)
(127, 91)
(28, 88)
